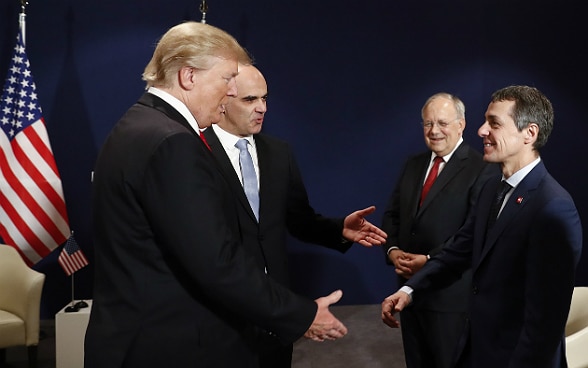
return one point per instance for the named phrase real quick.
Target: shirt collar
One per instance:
(229, 140)
(176, 104)
(447, 157)
(517, 177)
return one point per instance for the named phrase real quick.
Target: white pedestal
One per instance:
(70, 332)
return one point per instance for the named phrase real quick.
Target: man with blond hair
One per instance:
(173, 287)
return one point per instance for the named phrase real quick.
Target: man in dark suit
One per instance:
(523, 261)
(173, 287)
(283, 202)
(418, 226)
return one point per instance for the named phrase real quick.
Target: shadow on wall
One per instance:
(73, 147)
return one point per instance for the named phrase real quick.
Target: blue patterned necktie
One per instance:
(249, 176)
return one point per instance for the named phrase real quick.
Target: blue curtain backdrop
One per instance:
(346, 81)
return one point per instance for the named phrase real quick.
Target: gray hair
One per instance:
(531, 106)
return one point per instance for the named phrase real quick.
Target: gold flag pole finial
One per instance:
(23, 5)
(203, 10)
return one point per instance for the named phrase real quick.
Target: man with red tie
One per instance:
(428, 205)
(523, 262)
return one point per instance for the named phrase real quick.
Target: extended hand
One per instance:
(357, 229)
(325, 325)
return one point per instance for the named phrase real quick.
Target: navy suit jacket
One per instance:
(283, 206)
(523, 273)
(173, 287)
(424, 230)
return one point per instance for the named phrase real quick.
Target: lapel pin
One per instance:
(519, 200)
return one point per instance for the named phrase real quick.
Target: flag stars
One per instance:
(19, 106)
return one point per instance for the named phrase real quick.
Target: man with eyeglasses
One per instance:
(421, 217)
(522, 241)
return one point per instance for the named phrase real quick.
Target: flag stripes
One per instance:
(33, 214)
(71, 257)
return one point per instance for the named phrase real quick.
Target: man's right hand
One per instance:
(325, 325)
(393, 304)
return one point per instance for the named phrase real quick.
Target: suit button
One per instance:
(475, 290)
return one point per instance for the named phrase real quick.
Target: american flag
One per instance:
(33, 216)
(71, 257)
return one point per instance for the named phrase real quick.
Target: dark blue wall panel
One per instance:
(346, 81)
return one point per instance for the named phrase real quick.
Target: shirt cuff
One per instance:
(391, 249)
(408, 290)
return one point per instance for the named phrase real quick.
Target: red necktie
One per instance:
(204, 140)
(431, 178)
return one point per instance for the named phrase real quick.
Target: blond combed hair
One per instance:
(191, 44)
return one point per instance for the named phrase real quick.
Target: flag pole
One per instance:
(21, 19)
(203, 10)
(74, 307)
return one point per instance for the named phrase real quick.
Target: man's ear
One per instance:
(531, 133)
(187, 77)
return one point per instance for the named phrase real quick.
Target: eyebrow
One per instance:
(252, 98)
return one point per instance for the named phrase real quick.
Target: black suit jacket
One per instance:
(424, 230)
(523, 273)
(172, 285)
(284, 206)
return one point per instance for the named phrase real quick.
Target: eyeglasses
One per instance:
(440, 124)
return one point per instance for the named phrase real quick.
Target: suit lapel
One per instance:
(454, 166)
(227, 169)
(263, 153)
(520, 197)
